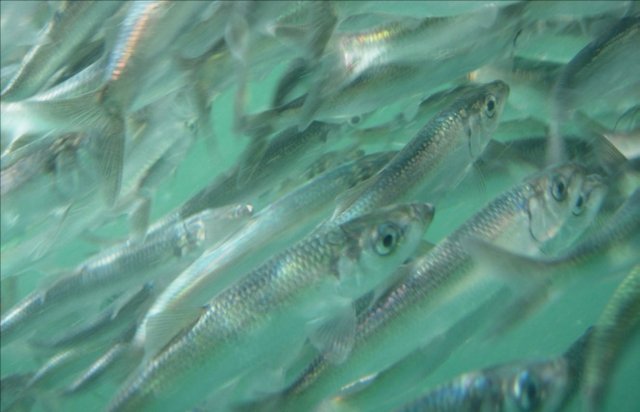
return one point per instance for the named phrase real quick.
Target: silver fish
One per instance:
(411, 67)
(600, 73)
(617, 324)
(148, 29)
(63, 37)
(283, 221)
(386, 389)
(542, 386)
(113, 269)
(113, 321)
(437, 157)
(245, 325)
(610, 248)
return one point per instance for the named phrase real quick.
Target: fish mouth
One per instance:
(537, 224)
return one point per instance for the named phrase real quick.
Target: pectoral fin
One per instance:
(333, 333)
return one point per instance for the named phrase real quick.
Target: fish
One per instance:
(617, 324)
(271, 160)
(387, 388)
(437, 156)
(71, 26)
(149, 29)
(112, 269)
(73, 203)
(545, 385)
(13, 394)
(522, 218)
(312, 272)
(377, 70)
(115, 320)
(216, 268)
(596, 74)
(607, 248)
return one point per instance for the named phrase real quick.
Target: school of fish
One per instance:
(332, 206)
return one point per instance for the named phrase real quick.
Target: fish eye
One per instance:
(354, 120)
(578, 207)
(559, 188)
(490, 106)
(526, 392)
(386, 239)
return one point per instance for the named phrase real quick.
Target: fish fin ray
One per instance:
(163, 328)
(333, 333)
(110, 148)
(139, 218)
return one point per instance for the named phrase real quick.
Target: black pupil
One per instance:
(579, 202)
(355, 120)
(560, 188)
(491, 105)
(387, 240)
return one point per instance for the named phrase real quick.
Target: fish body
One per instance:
(595, 80)
(543, 386)
(389, 388)
(437, 156)
(111, 269)
(254, 312)
(618, 323)
(378, 70)
(281, 222)
(268, 232)
(72, 26)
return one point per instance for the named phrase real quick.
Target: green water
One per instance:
(547, 333)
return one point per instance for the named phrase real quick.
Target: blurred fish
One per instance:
(422, 63)
(13, 393)
(617, 324)
(74, 202)
(599, 77)
(33, 160)
(158, 156)
(242, 325)
(113, 269)
(71, 26)
(148, 30)
(262, 163)
(545, 385)
(627, 142)
(386, 389)
(113, 321)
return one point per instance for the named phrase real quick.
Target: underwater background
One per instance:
(541, 32)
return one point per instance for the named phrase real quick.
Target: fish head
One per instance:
(556, 194)
(483, 107)
(541, 386)
(584, 209)
(379, 242)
